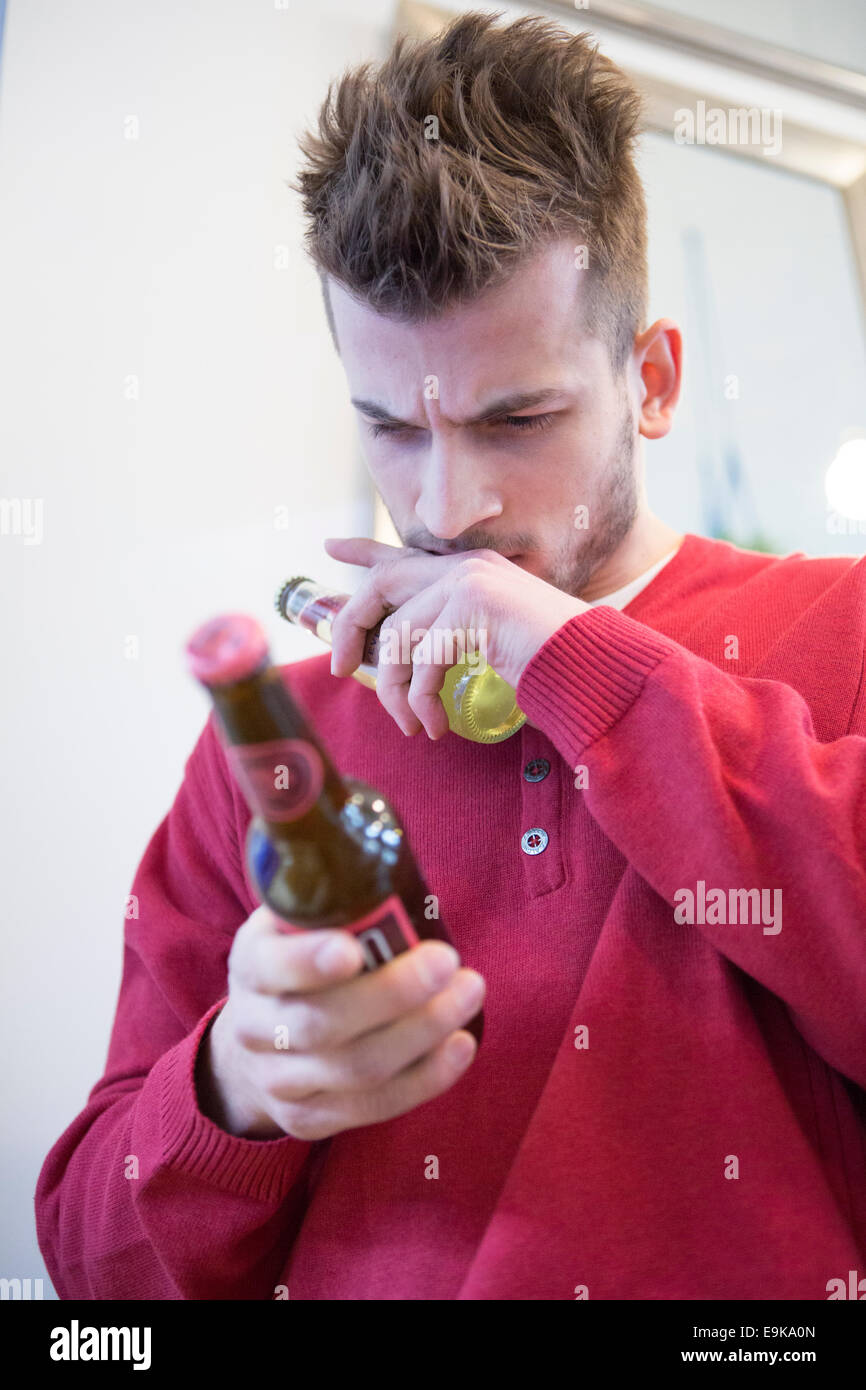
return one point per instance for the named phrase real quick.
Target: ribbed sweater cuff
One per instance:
(191, 1143)
(588, 674)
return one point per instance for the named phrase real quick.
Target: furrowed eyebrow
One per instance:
(377, 412)
(517, 400)
(504, 405)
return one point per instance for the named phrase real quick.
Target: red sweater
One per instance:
(659, 1109)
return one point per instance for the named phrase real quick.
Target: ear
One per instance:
(657, 361)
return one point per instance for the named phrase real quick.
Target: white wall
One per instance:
(153, 257)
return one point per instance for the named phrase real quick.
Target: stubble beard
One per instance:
(610, 517)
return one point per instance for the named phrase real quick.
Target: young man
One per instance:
(658, 885)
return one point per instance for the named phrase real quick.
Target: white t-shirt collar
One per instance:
(621, 597)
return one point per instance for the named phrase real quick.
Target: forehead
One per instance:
(515, 334)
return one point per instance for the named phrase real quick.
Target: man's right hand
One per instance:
(362, 1048)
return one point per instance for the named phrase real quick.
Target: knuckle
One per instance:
(302, 1122)
(368, 1067)
(473, 568)
(248, 1036)
(388, 684)
(388, 689)
(288, 1091)
(281, 1092)
(371, 1108)
(491, 557)
(419, 700)
(391, 702)
(308, 1028)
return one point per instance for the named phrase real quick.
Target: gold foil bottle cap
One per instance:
(486, 707)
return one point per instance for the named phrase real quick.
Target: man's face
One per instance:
(512, 480)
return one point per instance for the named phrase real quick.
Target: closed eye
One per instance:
(377, 429)
(525, 422)
(511, 422)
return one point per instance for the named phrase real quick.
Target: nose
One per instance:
(456, 494)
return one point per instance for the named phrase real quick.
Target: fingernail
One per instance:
(460, 1049)
(437, 967)
(469, 991)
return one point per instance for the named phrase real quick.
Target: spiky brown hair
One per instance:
(432, 176)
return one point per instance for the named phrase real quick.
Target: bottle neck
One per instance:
(314, 607)
(260, 710)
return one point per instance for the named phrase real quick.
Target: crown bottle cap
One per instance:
(285, 592)
(226, 649)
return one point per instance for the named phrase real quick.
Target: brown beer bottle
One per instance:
(321, 850)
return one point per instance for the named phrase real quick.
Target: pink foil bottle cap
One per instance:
(226, 649)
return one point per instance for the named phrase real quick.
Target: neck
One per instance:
(648, 541)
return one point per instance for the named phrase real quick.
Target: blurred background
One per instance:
(175, 437)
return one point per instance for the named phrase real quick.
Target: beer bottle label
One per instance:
(382, 934)
(318, 615)
(281, 779)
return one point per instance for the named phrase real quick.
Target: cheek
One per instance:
(553, 504)
(396, 479)
(377, 463)
(579, 459)
(559, 473)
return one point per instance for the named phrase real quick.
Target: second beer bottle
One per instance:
(321, 851)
